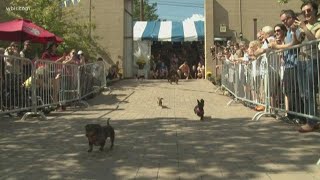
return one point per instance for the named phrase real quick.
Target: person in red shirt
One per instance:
(50, 53)
(55, 69)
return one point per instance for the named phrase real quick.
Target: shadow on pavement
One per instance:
(154, 148)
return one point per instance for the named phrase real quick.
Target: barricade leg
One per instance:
(259, 115)
(33, 114)
(231, 101)
(81, 103)
(318, 163)
(218, 88)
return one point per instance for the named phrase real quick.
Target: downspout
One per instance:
(90, 5)
(240, 19)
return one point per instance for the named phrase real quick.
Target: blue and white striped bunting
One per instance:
(67, 3)
(168, 31)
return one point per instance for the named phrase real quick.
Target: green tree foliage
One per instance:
(51, 15)
(150, 11)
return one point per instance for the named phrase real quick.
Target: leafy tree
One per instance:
(51, 15)
(149, 11)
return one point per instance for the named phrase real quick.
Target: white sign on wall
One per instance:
(223, 28)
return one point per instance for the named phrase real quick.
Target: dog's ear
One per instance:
(198, 101)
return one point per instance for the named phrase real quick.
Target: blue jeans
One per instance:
(307, 82)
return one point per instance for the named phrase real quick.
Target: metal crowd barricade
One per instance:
(295, 90)
(246, 81)
(228, 77)
(288, 88)
(15, 97)
(52, 84)
(37, 88)
(259, 88)
(92, 78)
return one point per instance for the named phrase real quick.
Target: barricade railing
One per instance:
(284, 81)
(37, 88)
(245, 80)
(299, 81)
(92, 78)
(14, 96)
(56, 83)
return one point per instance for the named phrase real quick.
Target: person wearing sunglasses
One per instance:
(308, 66)
(307, 20)
(290, 58)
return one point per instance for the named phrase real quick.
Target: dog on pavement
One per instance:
(160, 101)
(97, 135)
(198, 109)
(173, 77)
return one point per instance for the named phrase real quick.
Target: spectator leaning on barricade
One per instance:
(2, 70)
(26, 52)
(51, 54)
(13, 73)
(69, 77)
(308, 66)
(1, 76)
(260, 37)
(267, 33)
(280, 31)
(82, 59)
(277, 67)
(290, 58)
(249, 60)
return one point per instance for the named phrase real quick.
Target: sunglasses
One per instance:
(277, 30)
(306, 11)
(286, 19)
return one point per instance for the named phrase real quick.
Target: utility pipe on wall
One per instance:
(240, 16)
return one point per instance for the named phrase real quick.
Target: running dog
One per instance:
(173, 77)
(160, 101)
(97, 135)
(198, 109)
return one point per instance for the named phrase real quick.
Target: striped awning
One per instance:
(67, 3)
(168, 31)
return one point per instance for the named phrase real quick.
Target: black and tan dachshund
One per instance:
(198, 109)
(97, 135)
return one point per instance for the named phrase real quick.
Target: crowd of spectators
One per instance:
(187, 60)
(16, 72)
(297, 70)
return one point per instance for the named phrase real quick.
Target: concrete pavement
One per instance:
(158, 143)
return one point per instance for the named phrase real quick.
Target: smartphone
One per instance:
(301, 17)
